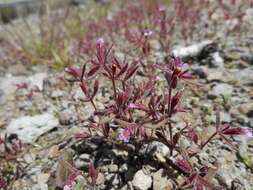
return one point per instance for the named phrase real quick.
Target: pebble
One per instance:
(142, 181)
(100, 179)
(217, 61)
(160, 181)
(221, 89)
(113, 168)
(244, 76)
(246, 109)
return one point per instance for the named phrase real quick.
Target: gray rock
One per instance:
(142, 181)
(221, 89)
(245, 76)
(29, 128)
(160, 181)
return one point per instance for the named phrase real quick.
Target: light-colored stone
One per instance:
(246, 109)
(190, 51)
(245, 76)
(221, 89)
(43, 177)
(37, 80)
(160, 181)
(217, 60)
(142, 181)
(29, 128)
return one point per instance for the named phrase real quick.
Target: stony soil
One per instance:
(45, 116)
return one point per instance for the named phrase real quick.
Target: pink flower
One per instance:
(124, 135)
(100, 42)
(161, 9)
(237, 131)
(147, 33)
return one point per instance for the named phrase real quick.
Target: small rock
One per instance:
(37, 80)
(215, 75)
(29, 128)
(217, 60)
(65, 117)
(85, 157)
(113, 168)
(160, 181)
(100, 179)
(142, 181)
(43, 177)
(123, 168)
(57, 94)
(81, 164)
(221, 89)
(244, 76)
(248, 57)
(29, 158)
(246, 109)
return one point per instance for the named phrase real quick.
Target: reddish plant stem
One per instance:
(208, 140)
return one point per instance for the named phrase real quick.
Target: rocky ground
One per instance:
(40, 105)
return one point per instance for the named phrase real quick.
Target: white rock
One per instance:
(160, 181)
(190, 51)
(142, 181)
(217, 60)
(37, 80)
(222, 89)
(29, 128)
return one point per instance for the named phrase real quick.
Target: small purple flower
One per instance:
(161, 9)
(147, 33)
(100, 42)
(124, 135)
